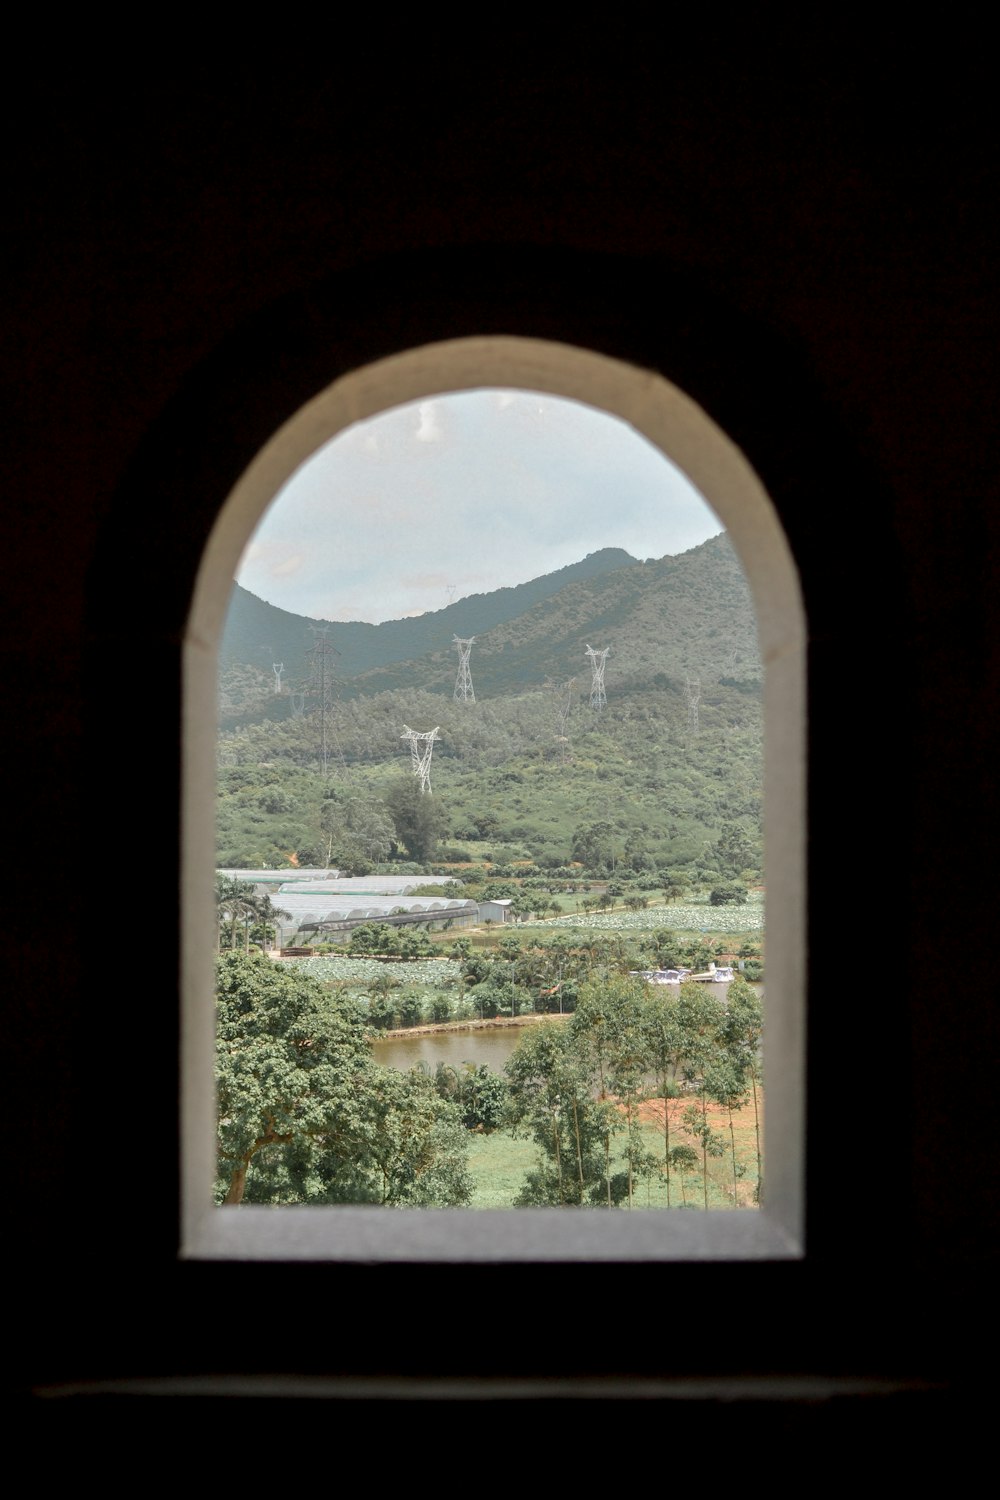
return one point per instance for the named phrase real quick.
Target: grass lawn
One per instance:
(499, 1163)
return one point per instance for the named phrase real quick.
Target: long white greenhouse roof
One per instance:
(313, 906)
(329, 883)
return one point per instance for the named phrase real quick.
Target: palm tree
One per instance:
(234, 899)
(268, 915)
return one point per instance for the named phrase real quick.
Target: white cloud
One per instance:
(507, 485)
(429, 429)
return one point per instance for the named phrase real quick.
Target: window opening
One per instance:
(681, 432)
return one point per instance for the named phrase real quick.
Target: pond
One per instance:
(489, 1045)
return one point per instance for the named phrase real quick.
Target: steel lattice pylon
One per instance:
(598, 698)
(421, 750)
(692, 688)
(464, 691)
(321, 691)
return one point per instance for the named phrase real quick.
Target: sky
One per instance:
(462, 494)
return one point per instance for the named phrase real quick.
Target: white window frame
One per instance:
(687, 435)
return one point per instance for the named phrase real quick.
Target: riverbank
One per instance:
(496, 1023)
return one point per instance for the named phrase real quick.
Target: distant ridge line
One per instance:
(254, 628)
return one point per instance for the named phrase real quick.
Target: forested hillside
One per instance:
(257, 633)
(528, 768)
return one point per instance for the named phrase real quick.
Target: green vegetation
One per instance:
(257, 632)
(579, 1088)
(534, 969)
(528, 772)
(667, 795)
(243, 916)
(728, 895)
(604, 832)
(306, 1116)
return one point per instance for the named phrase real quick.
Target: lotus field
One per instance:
(428, 973)
(691, 917)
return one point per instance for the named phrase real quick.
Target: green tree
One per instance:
(592, 845)
(414, 1141)
(726, 1084)
(382, 1011)
(595, 1029)
(684, 1160)
(306, 1116)
(356, 830)
(733, 850)
(290, 1060)
(236, 902)
(743, 1032)
(607, 1028)
(551, 1098)
(665, 1042)
(418, 818)
(411, 1009)
(702, 1021)
(268, 916)
(482, 1096)
(728, 895)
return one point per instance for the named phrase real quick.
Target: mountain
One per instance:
(684, 616)
(667, 764)
(257, 634)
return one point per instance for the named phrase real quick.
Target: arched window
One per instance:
(682, 430)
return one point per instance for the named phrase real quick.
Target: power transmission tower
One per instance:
(321, 688)
(563, 693)
(277, 667)
(693, 690)
(598, 698)
(464, 691)
(421, 750)
(298, 704)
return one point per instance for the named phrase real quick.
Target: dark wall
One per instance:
(799, 234)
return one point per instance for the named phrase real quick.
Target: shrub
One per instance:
(728, 895)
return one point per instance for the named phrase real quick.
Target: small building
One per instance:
(495, 911)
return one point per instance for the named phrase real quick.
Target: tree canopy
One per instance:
(306, 1115)
(575, 1086)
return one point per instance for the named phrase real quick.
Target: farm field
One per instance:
(340, 968)
(683, 917)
